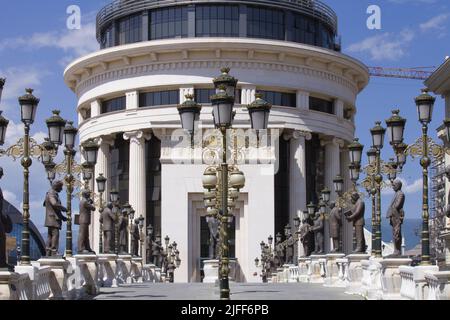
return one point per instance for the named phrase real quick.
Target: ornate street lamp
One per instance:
(222, 109)
(378, 133)
(311, 209)
(395, 128)
(338, 183)
(326, 195)
(189, 112)
(28, 105)
(355, 151)
(278, 237)
(392, 175)
(400, 154)
(3, 126)
(372, 156)
(354, 170)
(259, 111)
(90, 151)
(114, 198)
(88, 172)
(56, 126)
(49, 150)
(101, 187)
(141, 234)
(227, 81)
(270, 240)
(425, 104)
(50, 169)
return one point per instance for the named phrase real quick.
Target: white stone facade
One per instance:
(187, 64)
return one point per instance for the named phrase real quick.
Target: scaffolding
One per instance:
(437, 209)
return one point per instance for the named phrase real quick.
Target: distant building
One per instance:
(153, 53)
(14, 239)
(439, 83)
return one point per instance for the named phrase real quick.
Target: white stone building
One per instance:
(154, 52)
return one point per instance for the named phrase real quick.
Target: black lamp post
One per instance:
(189, 112)
(101, 187)
(141, 235)
(114, 197)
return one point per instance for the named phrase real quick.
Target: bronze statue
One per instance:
(335, 227)
(6, 226)
(135, 237)
(290, 244)
(318, 228)
(279, 253)
(86, 207)
(396, 215)
(213, 225)
(107, 220)
(356, 215)
(54, 217)
(156, 253)
(306, 237)
(123, 232)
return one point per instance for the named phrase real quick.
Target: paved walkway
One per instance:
(244, 291)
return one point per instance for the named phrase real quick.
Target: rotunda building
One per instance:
(153, 53)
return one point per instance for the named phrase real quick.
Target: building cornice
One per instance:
(439, 81)
(166, 54)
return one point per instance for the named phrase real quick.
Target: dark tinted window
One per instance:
(169, 23)
(304, 29)
(130, 29)
(321, 105)
(217, 21)
(280, 98)
(107, 37)
(119, 167)
(115, 104)
(265, 23)
(159, 98)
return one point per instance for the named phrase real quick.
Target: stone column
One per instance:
(339, 108)
(184, 91)
(303, 100)
(248, 94)
(137, 174)
(102, 166)
(132, 100)
(332, 169)
(96, 108)
(297, 177)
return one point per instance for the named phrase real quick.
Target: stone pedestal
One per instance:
(107, 270)
(318, 268)
(7, 289)
(332, 270)
(439, 285)
(303, 266)
(355, 272)
(64, 284)
(136, 269)
(446, 237)
(123, 271)
(413, 283)
(86, 274)
(342, 280)
(211, 271)
(280, 275)
(150, 272)
(158, 274)
(390, 277)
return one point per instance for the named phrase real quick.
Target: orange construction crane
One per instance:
(403, 73)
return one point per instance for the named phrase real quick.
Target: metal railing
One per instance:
(121, 8)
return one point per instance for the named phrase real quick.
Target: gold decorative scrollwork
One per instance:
(435, 150)
(17, 150)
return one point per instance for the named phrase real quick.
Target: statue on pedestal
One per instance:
(318, 228)
(107, 220)
(396, 216)
(54, 217)
(306, 237)
(356, 215)
(6, 226)
(86, 207)
(335, 227)
(156, 253)
(279, 254)
(135, 238)
(213, 225)
(123, 232)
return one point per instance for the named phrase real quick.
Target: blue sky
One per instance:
(35, 47)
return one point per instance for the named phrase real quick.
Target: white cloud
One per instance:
(15, 132)
(386, 46)
(74, 43)
(438, 23)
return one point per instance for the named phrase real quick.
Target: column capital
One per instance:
(327, 140)
(108, 140)
(297, 134)
(137, 136)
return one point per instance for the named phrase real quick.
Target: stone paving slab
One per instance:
(244, 291)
